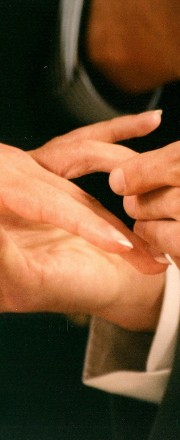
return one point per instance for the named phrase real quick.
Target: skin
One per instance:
(37, 194)
(135, 45)
(39, 267)
(41, 250)
(139, 55)
(154, 197)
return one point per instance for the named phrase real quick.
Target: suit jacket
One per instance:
(36, 347)
(122, 350)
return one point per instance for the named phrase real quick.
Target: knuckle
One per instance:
(136, 175)
(144, 206)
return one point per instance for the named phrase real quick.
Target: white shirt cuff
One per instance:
(151, 384)
(139, 385)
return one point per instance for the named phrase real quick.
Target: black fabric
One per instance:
(167, 423)
(131, 419)
(41, 355)
(137, 420)
(41, 393)
(28, 109)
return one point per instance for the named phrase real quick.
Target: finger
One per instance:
(158, 204)
(84, 151)
(123, 127)
(148, 171)
(35, 199)
(31, 197)
(162, 234)
(140, 257)
(43, 203)
(143, 259)
(71, 160)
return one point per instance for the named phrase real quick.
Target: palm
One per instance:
(44, 268)
(53, 270)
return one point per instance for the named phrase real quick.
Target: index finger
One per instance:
(148, 171)
(120, 128)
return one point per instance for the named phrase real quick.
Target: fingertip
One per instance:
(157, 113)
(157, 116)
(117, 181)
(152, 117)
(130, 206)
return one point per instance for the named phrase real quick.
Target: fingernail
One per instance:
(121, 238)
(162, 259)
(159, 111)
(158, 256)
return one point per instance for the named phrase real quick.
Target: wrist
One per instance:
(138, 305)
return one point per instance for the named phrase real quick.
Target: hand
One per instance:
(154, 178)
(87, 150)
(37, 194)
(45, 269)
(34, 193)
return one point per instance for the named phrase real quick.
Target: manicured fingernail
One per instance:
(158, 256)
(162, 259)
(121, 238)
(159, 112)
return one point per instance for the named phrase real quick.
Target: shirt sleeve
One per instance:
(163, 345)
(150, 383)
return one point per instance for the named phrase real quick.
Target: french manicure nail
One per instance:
(158, 256)
(162, 259)
(121, 238)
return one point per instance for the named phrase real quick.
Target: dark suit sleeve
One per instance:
(28, 114)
